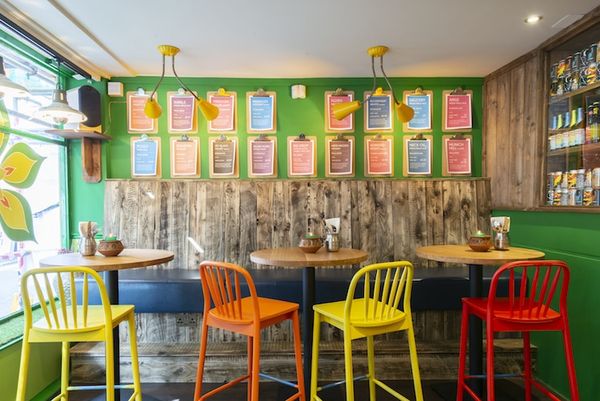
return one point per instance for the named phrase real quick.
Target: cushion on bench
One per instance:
(180, 291)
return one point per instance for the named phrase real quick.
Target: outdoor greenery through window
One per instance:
(45, 193)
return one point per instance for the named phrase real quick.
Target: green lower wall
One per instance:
(574, 238)
(44, 370)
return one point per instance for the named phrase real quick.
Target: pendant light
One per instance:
(153, 110)
(59, 112)
(342, 110)
(8, 87)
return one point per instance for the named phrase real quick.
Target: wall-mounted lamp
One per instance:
(298, 91)
(342, 110)
(153, 110)
(8, 87)
(59, 112)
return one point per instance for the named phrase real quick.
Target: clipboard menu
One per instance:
(145, 157)
(185, 160)
(339, 156)
(417, 156)
(223, 157)
(137, 121)
(262, 157)
(379, 156)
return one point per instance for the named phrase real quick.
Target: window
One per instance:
(45, 194)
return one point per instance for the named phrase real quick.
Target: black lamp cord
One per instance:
(375, 80)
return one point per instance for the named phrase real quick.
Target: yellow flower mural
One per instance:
(19, 167)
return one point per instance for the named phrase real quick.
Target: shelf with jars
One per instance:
(572, 156)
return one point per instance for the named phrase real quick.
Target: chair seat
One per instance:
(335, 311)
(502, 311)
(95, 320)
(268, 309)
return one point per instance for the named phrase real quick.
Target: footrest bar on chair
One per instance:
(498, 375)
(278, 380)
(330, 385)
(390, 390)
(100, 387)
(224, 387)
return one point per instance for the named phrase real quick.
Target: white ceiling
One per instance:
(293, 38)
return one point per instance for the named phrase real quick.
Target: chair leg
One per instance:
(570, 361)
(64, 375)
(249, 381)
(255, 365)
(201, 357)
(314, 368)
(371, 364)
(135, 367)
(348, 366)
(23, 369)
(462, 355)
(414, 362)
(298, 354)
(489, 357)
(527, 364)
(109, 356)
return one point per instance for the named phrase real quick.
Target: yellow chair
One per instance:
(376, 312)
(65, 322)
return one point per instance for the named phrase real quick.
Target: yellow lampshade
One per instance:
(209, 110)
(405, 112)
(343, 110)
(152, 109)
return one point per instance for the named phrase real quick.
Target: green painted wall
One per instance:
(574, 238)
(293, 117)
(44, 369)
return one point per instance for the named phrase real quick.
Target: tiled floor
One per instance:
(432, 391)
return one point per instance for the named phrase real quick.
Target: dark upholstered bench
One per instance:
(180, 291)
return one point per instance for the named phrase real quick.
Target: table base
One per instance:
(308, 301)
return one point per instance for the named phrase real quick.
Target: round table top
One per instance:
(294, 257)
(128, 259)
(464, 254)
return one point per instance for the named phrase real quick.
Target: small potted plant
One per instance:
(110, 246)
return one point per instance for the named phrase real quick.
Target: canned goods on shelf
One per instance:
(588, 196)
(571, 195)
(595, 177)
(557, 197)
(580, 179)
(572, 179)
(587, 181)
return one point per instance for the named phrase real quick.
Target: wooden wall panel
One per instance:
(230, 219)
(512, 151)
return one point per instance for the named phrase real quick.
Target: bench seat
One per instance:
(180, 291)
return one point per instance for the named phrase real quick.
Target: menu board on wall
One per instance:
(421, 103)
(456, 158)
(331, 123)
(185, 161)
(136, 118)
(339, 156)
(379, 156)
(379, 112)
(261, 112)
(302, 157)
(145, 157)
(262, 157)
(223, 158)
(457, 114)
(226, 102)
(417, 155)
(182, 112)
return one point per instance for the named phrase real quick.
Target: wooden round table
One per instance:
(476, 261)
(294, 257)
(128, 259)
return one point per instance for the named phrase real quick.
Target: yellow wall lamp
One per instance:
(342, 110)
(153, 110)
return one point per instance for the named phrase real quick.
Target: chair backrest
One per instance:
(391, 282)
(50, 283)
(221, 286)
(533, 287)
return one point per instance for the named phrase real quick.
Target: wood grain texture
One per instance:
(230, 219)
(463, 254)
(128, 259)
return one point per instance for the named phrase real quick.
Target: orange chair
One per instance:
(527, 308)
(244, 315)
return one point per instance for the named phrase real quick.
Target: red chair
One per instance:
(221, 285)
(528, 308)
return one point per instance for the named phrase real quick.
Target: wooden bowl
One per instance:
(310, 245)
(480, 243)
(110, 248)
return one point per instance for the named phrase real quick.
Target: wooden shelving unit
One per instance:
(580, 91)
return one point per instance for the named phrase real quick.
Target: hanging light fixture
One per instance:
(405, 112)
(8, 87)
(153, 110)
(59, 112)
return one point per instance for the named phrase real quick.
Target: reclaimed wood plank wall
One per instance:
(512, 145)
(230, 219)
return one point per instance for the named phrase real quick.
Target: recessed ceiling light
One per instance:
(533, 19)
